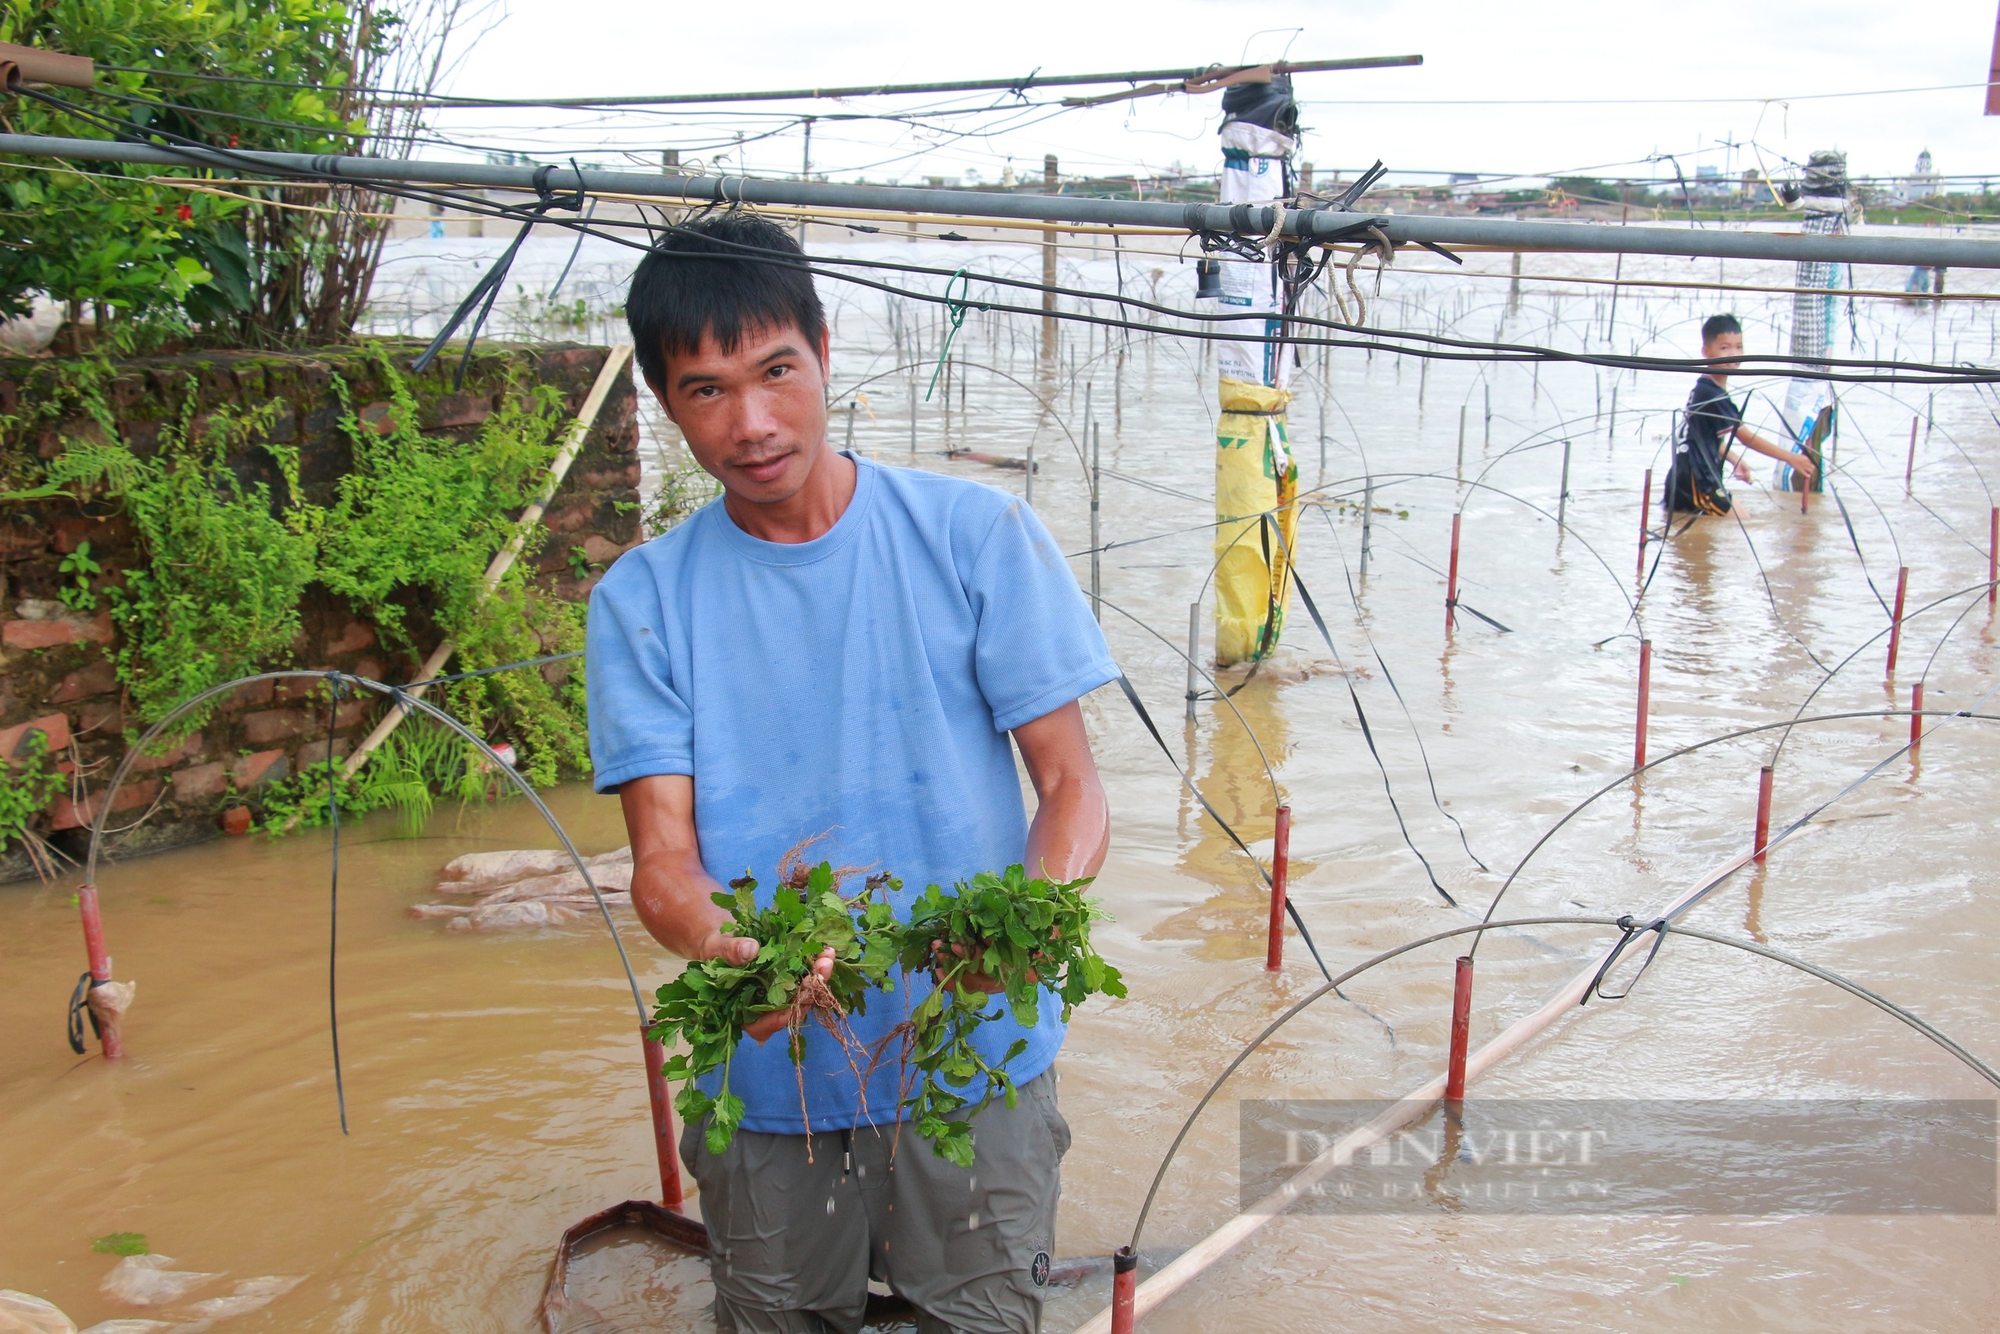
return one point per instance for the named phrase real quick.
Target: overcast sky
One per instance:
(1499, 56)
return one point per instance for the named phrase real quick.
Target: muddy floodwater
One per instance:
(493, 1080)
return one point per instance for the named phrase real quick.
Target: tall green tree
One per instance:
(228, 259)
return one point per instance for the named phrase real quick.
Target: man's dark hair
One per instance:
(1715, 326)
(750, 274)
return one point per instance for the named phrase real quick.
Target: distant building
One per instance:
(1920, 184)
(1756, 190)
(1463, 186)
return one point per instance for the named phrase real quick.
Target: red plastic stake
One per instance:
(1763, 838)
(663, 1126)
(1645, 701)
(100, 967)
(1910, 468)
(1896, 618)
(1461, 1030)
(1124, 1289)
(1451, 581)
(1993, 559)
(1281, 854)
(1645, 508)
(1916, 720)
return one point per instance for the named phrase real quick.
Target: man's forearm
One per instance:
(670, 886)
(1071, 830)
(671, 897)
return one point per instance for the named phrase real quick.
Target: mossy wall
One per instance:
(57, 676)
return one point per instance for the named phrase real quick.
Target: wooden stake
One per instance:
(1645, 702)
(1763, 835)
(1461, 1031)
(1451, 582)
(1916, 721)
(1896, 617)
(1281, 855)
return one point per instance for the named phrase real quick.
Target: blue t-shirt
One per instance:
(860, 685)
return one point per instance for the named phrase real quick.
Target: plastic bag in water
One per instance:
(145, 1280)
(252, 1294)
(24, 1313)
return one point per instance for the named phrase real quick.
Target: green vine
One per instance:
(28, 783)
(225, 564)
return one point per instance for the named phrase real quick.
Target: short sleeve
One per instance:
(639, 724)
(1037, 646)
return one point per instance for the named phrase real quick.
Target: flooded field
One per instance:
(493, 1080)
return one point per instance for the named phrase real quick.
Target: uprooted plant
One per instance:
(711, 1004)
(1023, 935)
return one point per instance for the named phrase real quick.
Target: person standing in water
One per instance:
(1712, 424)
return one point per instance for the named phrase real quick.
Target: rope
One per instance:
(955, 309)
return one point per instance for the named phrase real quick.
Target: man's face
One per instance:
(1726, 348)
(754, 418)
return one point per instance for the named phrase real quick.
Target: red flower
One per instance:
(186, 214)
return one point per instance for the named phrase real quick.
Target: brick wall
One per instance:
(56, 675)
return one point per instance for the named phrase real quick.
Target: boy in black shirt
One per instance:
(1694, 482)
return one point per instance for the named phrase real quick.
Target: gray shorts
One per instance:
(796, 1241)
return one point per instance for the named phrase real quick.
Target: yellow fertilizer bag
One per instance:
(1255, 477)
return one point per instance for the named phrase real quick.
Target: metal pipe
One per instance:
(1096, 480)
(1461, 441)
(1204, 79)
(1896, 617)
(1645, 508)
(1562, 497)
(1762, 839)
(663, 1124)
(1237, 219)
(1645, 702)
(1281, 856)
(1368, 522)
(1051, 185)
(1461, 1031)
(100, 966)
(1193, 656)
(1451, 581)
(1910, 468)
(1124, 1289)
(1917, 721)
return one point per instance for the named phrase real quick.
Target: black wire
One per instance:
(333, 897)
(1291, 909)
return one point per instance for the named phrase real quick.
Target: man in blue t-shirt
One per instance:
(1711, 424)
(841, 651)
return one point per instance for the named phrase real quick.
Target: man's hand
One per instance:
(974, 980)
(776, 1020)
(671, 890)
